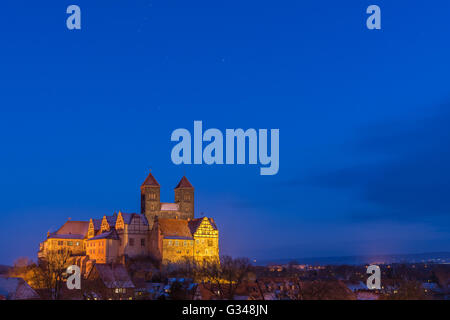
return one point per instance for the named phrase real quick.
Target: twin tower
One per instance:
(152, 207)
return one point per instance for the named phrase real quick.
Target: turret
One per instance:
(150, 198)
(184, 196)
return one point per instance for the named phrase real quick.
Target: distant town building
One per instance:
(16, 289)
(109, 281)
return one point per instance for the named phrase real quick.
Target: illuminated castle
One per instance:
(165, 231)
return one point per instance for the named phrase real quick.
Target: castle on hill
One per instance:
(167, 232)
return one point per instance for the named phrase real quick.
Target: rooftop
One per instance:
(171, 228)
(184, 183)
(150, 181)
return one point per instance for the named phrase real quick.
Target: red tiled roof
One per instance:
(184, 183)
(114, 275)
(74, 227)
(150, 181)
(66, 236)
(174, 228)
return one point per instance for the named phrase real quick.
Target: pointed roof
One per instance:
(184, 183)
(97, 223)
(127, 217)
(150, 181)
(194, 224)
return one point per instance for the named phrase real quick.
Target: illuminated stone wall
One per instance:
(75, 246)
(134, 237)
(176, 250)
(185, 198)
(169, 249)
(103, 250)
(206, 241)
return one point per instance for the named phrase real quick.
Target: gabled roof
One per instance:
(111, 234)
(195, 223)
(16, 289)
(114, 275)
(174, 228)
(97, 224)
(112, 220)
(150, 181)
(127, 217)
(73, 228)
(184, 183)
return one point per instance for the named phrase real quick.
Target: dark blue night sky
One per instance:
(363, 116)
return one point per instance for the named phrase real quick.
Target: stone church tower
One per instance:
(152, 207)
(184, 197)
(150, 199)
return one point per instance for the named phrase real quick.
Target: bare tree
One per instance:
(222, 278)
(186, 267)
(209, 274)
(22, 262)
(50, 272)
